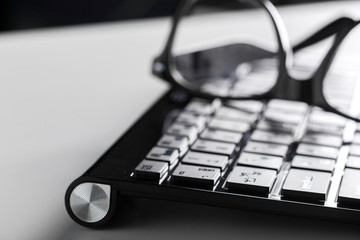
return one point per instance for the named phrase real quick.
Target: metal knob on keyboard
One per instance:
(89, 203)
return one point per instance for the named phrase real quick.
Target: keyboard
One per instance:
(277, 156)
(280, 156)
(279, 150)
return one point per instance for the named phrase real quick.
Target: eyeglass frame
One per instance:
(286, 87)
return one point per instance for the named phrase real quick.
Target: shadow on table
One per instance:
(155, 219)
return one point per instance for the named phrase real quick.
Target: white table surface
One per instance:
(67, 94)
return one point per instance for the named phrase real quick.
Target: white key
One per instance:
(246, 105)
(288, 106)
(184, 130)
(355, 149)
(274, 115)
(253, 180)
(273, 137)
(205, 159)
(353, 162)
(163, 154)
(266, 148)
(321, 117)
(306, 184)
(324, 128)
(315, 163)
(322, 139)
(356, 139)
(276, 126)
(229, 125)
(195, 175)
(317, 151)
(153, 170)
(177, 142)
(349, 194)
(234, 114)
(192, 119)
(202, 107)
(222, 136)
(213, 147)
(259, 160)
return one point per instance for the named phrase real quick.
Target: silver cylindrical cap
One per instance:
(90, 202)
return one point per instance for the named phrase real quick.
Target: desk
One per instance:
(67, 94)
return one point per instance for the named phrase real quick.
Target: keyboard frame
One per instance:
(115, 168)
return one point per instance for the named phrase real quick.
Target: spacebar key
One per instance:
(195, 176)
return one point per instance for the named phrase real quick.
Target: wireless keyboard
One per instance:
(277, 156)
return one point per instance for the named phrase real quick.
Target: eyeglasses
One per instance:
(216, 53)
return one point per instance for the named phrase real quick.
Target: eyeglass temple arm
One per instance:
(159, 68)
(183, 8)
(330, 29)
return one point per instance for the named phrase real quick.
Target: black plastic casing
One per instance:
(116, 167)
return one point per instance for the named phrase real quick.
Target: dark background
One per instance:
(28, 14)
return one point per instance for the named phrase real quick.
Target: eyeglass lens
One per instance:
(217, 50)
(341, 86)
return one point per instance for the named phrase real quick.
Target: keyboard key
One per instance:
(222, 136)
(213, 147)
(321, 117)
(353, 162)
(273, 137)
(202, 107)
(205, 159)
(195, 176)
(355, 149)
(356, 139)
(274, 115)
(251, 180)
(276, 126)
(324, 128)
(349, 194)
(317, 151)
(177, 142)
(183, 130)
(251, 106)
(323, 139)
(193, 119)
(215, 89)
(227, 125)
(315, 163)
(152, 170)
(258, 160)
(288, 106)
(163, 154)
(266, 148)
(306, 185)
(234, 114)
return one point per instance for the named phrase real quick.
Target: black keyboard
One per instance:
(278, 156)
(282, 156)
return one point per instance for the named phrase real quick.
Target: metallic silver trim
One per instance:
(90, 202)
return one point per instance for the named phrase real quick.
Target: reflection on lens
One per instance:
(341, 86)
(226, 50)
